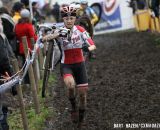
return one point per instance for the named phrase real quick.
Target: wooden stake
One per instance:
(20, 95)
(32, 78)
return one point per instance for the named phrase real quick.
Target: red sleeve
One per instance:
(90, 41)
(85, 35)
(81, 29)
(31, 32)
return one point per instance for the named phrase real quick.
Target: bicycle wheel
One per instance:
(48, 63)
(85, 22)
(98, 10)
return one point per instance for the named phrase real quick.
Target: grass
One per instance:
(35, 121)
(157, 41)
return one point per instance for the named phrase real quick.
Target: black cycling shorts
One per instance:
(78, 71)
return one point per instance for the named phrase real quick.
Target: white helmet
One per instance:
(83, 1)
(25, 13)
(68, 11)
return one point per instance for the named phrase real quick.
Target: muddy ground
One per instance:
(124, 84)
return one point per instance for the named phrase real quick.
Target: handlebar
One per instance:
(52, 27)
(48, 28)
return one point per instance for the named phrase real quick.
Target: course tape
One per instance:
(17, 79)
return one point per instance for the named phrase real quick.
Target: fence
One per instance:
(31, 66)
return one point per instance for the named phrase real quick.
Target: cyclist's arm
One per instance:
(87, 39)
(51, 36)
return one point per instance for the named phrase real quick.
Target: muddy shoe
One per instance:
(81, 125)
(74, 116)
(81, 121)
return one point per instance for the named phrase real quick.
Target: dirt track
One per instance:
(124, 84)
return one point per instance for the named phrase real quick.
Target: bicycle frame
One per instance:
(52, 66)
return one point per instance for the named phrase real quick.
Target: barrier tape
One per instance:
(4, 87)
(16, 78)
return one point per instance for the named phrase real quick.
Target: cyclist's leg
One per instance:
(82, 102)
(82, 84)
(70, 83)
(66, 72)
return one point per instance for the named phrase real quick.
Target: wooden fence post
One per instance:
(20, 95)
(40, 59)
(35, 68)
(31, 77)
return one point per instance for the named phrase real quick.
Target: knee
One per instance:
(83, 90)
(69, 82)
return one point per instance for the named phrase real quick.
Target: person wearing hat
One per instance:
(6, 71)
(24, 27)
(87, 10)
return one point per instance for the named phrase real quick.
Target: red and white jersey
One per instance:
(72, 48)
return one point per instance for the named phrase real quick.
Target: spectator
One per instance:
(56, 11)
(155, 7)
(24, 27)
(25, 2)
(17, 7)
(8, 25)
(36, 12)
(141, 4)
(5, 71)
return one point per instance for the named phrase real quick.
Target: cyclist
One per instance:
(73, 67)
(85, 9)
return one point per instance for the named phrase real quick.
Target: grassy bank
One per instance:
(35, 121)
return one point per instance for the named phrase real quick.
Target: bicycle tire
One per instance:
(98, 10)
(45, 82)
(85, 22)
(47, 69)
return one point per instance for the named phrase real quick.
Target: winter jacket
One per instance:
(5, 54)
(16, 17)
(24, 29)
(8, 29)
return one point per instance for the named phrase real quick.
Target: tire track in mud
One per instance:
(124, 84)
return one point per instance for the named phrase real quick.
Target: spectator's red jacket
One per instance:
(25, 29)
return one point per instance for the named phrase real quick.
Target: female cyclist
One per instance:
(73, 67)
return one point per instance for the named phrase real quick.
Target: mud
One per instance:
(124, 84)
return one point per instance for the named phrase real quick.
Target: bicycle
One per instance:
(50, 59)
